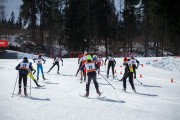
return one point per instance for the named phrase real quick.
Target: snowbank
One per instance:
(169, 63)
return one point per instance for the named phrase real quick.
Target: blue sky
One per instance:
(14, 5)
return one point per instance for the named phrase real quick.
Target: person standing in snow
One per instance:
(23, 68)
(91, 73)
(135, 64)
(99, 62)
(56, 62)
(111, 63)
(39, 61)
(30, 74)
(128, 73)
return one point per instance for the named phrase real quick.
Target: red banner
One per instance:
(3, 43)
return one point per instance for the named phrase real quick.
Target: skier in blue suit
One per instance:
(39, 61)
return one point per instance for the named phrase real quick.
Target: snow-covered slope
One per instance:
(158, 97)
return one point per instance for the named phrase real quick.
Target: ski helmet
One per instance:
(30, 63)
(125, 59)
(25, 58)
(88, 57)
(39, 56)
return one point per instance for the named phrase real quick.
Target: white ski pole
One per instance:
(15, 85)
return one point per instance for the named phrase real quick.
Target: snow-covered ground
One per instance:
(158, 98)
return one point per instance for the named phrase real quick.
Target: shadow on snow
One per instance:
(41, 99)
(110, 100)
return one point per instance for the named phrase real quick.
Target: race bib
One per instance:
(90, 67)
(39, 61)
(131, 69)
(24, 66)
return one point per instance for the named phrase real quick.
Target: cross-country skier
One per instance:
(128, 73)
(56, 62)
(23, 68)
(30, 74)
(82, 61)
(99, 62)
(91, 73)
(39, 61)
(111, 63)
(135, 64)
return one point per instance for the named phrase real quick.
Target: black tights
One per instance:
(130, 75)
(109, 65)
(56, 63)
(24, 78)
(89, 81)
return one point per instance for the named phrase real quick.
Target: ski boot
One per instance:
(107, 76)
(36, 83)
(25, 92)
(43, 77)
(86, 95)
(98, 92)
(19, 92)
(134, 90)
(58, 72)
(124, 89)
(48, 71)
(37, 78)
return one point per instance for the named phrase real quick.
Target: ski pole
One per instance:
(15, 85)
(139, 81)
(30, 84)
(77, 72)
(116, 74)
(108, 81)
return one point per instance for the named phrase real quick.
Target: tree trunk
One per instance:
(33, 21)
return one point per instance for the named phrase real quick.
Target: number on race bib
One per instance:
(90, 67)
(24, 65)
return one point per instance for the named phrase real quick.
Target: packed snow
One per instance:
(158, 97)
